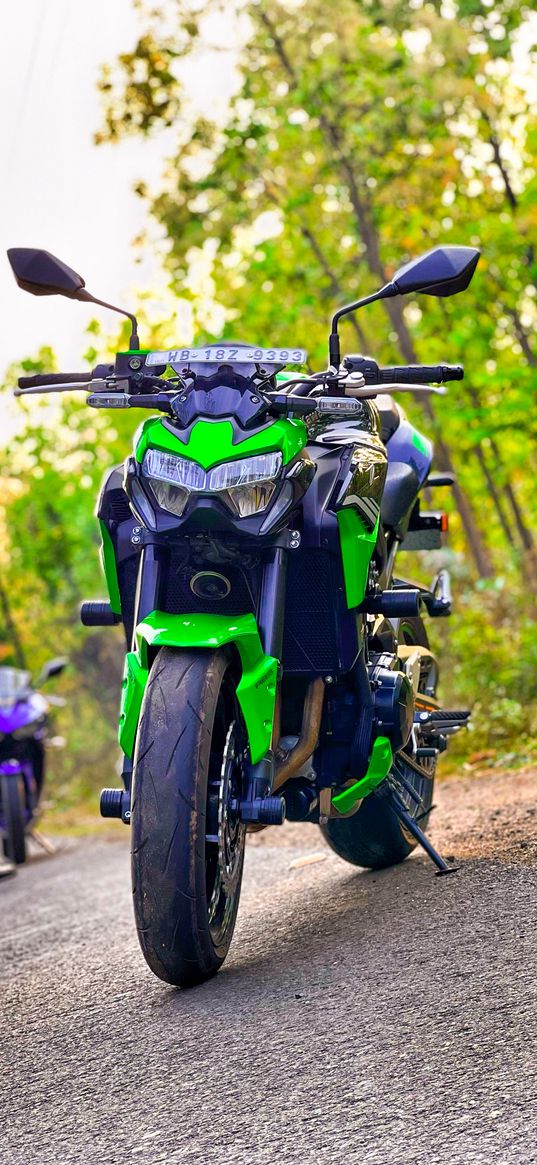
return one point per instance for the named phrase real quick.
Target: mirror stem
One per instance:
(334, 351)
(87, 297)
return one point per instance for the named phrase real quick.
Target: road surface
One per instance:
(376, 1019)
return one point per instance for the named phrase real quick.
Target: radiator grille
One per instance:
(310, 643)
(180, 598)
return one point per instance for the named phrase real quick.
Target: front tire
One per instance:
(14, 813)
(187, 841)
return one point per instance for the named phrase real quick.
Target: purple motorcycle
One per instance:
(23, 732)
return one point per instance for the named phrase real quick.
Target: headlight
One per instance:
(249, 471)
(246, 485)
(172, 479)
(170, 497)
(168, 467)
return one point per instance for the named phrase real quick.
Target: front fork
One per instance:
(256, 803)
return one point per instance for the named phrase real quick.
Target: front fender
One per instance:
(256, 690)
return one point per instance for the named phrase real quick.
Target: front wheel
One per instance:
(14, 815)
(187, 840)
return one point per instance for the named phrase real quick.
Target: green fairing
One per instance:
(379, 766)
(134, 680)
(108, 560)
(256, 690)
(357, 545)
(211, 442)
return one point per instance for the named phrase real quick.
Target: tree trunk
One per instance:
(11, 629)
(491, 486)
(368, 234)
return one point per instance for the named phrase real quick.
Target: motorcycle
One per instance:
(277, 666)
(23, 736)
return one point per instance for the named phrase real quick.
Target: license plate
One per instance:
(231, 355)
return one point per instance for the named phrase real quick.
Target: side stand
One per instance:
(411, 824)
(42, 841)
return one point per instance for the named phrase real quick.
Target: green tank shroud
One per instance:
(256, 690)
(357, 546)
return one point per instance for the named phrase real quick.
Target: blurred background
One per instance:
(242, 168)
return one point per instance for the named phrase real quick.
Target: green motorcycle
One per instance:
(277, 666)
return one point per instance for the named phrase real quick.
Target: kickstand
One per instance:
(43, 841)
(411, 824)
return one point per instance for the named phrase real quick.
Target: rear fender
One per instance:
(256, 690)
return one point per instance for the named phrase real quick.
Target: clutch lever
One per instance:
(73, 387)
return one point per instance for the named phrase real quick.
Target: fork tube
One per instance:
(272, 602)
(391, 559)
(149, 587)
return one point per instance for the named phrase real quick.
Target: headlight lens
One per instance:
(250, 499)
(170, 497)
(247, 471)
(246, 485)
(168, 467)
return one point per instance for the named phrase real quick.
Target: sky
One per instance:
(58, 190)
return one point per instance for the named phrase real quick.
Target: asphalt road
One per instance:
(376, 1019)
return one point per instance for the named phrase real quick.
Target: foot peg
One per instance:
(438, 600)
(441, 720)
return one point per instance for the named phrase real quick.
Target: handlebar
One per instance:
(114, 390)
(421, 374)
(53, 378)
(403, 374)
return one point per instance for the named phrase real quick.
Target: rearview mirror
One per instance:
(53, 668)
(442, 271)
(41, 273)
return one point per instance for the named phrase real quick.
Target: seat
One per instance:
(390, 415)
(400, 492)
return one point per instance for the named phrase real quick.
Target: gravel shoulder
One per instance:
(361, 1019)
(483, 813)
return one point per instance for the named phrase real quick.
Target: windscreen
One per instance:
(12, 683)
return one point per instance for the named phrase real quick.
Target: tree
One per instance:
(348, 147)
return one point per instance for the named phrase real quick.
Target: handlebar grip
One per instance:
(53, 378)
(421, 374)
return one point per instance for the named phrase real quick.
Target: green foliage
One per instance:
(50, 474)
(359, 135)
